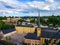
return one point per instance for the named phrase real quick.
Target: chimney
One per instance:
(38, 32)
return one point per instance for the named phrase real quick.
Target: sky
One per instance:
(29, 7)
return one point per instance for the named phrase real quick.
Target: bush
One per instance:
(6, 43)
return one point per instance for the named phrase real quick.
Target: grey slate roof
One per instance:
(32, 36)
(45, 33)
(28, 25)
(8, 30)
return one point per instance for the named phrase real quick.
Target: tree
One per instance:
(20, 21)
(5, 26)
(58, 20)
(1, 24)
(42, 20)
(52, 20)
(3, 42)
(8, 38)
(32, 20)
(3, 18)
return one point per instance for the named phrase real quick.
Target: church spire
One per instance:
(39, 19)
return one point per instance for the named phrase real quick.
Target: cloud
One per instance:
(39, 5)
(50, 1)
(15, 6)
(13, 3)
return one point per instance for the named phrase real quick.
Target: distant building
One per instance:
(4, 20)
(8, 19)
(13, 20)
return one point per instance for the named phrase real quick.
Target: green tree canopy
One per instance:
(5, 26)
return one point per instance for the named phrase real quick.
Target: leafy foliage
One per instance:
(5, 26)
(51, 21)
(3, 18)
(32, 20)
(6, 43)
(21, 20)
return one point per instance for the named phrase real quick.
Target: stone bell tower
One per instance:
(38, 29)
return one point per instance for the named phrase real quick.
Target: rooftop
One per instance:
(28, 25)
(45, 33)
(51, 34)
(32, 36)
(8, 30)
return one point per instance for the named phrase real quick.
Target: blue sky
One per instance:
(29, 7)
